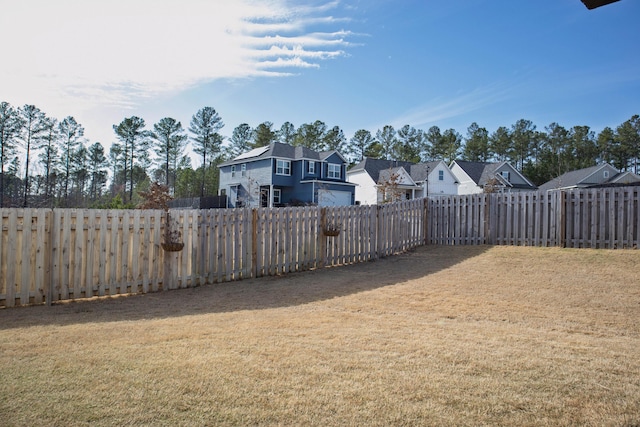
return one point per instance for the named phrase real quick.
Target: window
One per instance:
(233, 171)
(440, 175)
(506, 175)
(311, 168)
(243, 169)
(334, 171)
(605, 174)
(277, 195)
(283, 167)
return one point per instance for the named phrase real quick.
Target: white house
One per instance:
(435, 179)
(380, 180)
(476, 177)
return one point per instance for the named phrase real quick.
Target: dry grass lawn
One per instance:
(440, 336)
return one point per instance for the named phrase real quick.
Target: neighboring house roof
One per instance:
(474, 169)
(482, 173)
(402, 177)
(569, 179)
(583, 178)
(420, 171)
(625, 178)
(374, 166)
(282, 151)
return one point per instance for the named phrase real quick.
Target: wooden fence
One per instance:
(61, 254)
(591, 218)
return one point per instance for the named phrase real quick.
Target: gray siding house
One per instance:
(280, 175)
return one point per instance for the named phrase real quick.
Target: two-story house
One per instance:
(382, 180)
(479, 177)
(280, 174)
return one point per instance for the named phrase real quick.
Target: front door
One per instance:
(264, 196)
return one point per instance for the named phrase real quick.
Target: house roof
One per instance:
(571, 179)
(420, 171)
(281, 151)
(386, 174)
(479, 172)
(374, 166)
(592, 4)
(625, 178)
(580, 178)
(483, 172)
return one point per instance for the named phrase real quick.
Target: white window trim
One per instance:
(286, 167)
(243, 169)
(311, 168)
(605, 174)
(336, 173)
(233, 171)
(440, 175)
(277, 195)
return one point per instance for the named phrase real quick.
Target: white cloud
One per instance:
(457, 105)
(77, 54)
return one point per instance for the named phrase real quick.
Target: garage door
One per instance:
(333, 198)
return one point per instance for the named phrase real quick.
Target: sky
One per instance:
(356, 64)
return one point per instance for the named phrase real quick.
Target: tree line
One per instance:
(45, 162)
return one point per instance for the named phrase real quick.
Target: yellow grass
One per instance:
(441, 336)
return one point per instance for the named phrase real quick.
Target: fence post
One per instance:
(254, 242)
(561, 218)
(425, 220)
(488, 230)
(322, 237)
(167, 274)
(54, 221)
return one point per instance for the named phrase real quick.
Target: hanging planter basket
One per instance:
(173, 246)
(172, 236)
(331, 230)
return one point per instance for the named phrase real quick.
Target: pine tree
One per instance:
(204, 127)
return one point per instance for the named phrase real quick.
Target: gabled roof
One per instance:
(624, 178)
(483, 172)
(473, 169)
(420, 171)
(281, 151)
(374, 166)
(575, 178)
(324, 155)
(385, 176)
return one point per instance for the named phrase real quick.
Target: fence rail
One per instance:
(61, 254)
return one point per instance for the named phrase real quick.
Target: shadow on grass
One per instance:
(251, 294)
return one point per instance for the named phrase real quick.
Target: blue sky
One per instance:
(351, 63)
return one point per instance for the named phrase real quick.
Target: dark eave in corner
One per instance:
(592, 4)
